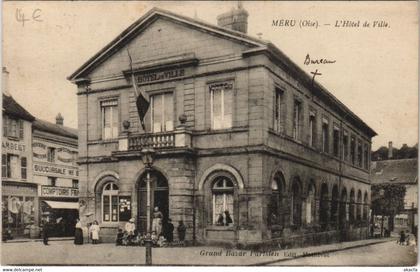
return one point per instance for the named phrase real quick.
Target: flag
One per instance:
(142, 99)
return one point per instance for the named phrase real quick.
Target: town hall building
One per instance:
(237, 128)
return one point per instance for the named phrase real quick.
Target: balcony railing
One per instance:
(155, 140)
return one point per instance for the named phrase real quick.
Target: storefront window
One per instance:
(223, 202)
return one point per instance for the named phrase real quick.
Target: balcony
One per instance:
(180, 137)
(156, 140)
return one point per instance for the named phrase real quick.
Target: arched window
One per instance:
(310, 204)
(352, 206)
(359, 206)
(110, 202)
(276, 201)
(324, 206)
(222, 192)
(365, 206)
(296, 203)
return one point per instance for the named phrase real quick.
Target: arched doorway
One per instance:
(296, 203)
(334, 206)
(324, 206)
(343, 209)
(159, 198)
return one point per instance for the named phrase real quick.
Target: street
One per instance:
(384, 254)
(367, 252)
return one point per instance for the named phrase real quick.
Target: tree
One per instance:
(387, 200)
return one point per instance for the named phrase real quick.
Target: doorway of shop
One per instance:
(159, 198)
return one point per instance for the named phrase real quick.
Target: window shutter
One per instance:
(5, 125)
(20, 129)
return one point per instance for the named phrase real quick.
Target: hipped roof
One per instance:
(258, 46)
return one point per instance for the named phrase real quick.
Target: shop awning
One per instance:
(62, 205)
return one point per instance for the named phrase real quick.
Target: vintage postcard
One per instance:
(182, 133)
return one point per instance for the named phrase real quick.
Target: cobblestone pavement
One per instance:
(66, 253)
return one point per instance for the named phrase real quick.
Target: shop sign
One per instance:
(65, 155)
(53, 191)
(13, 146)
(160, 75)
(55, 169)
(39, 150)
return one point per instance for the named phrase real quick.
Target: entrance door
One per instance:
(159, 198)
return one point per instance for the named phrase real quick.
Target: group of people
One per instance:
(224, 219)
(406, 240)
(161, 233)
(93, 232)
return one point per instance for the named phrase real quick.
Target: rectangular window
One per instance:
(325, 136)
(221, 104)
(13, 126)
(4, 172)
(106, 207)
(12, 166)
(345, 145)
(50, 154)
(5, 122)
(75, 183)
(336, 141)
(366, 157)
(296, 119)
(353, 150)
(278, 118)
(114, 207)
(162, 112)
(312, 129)
(23, 167)
(359, 153)
(110, 123)
(20, 129)
(52, 181)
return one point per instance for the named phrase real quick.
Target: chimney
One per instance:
(235, 19)
(5, 81)
(390, 150)
(59, 120)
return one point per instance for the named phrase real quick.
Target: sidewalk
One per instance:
(66, 253)
(25, 240)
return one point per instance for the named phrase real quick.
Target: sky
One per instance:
(375, 72)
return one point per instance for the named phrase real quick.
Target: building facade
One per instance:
(237, 127)
(403, 172)
(19, 191)
(55, 170)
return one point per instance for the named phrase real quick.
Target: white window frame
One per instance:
(297, 111)
(277, 112)
(163, 127)
(223, 124)
(110, 193)
(113, 105)
(224, 191)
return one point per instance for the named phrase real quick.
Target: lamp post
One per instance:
(147, 155)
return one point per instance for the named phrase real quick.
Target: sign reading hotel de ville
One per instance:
(264, 126)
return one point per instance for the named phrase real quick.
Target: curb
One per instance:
(37, 240)
(319, 252)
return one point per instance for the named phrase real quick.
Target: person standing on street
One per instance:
(78, 234)
(46, 231)
(157, 221)
(402, 237)
(181, 229)
(94, 230)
